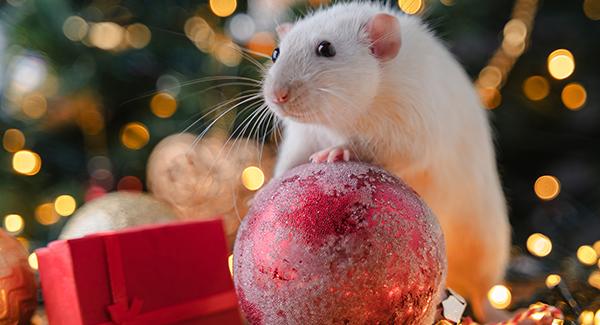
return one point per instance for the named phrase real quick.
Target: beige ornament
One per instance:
(115, 211)
(202, 179)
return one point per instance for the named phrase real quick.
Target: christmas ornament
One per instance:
(17, 283)
(339, 243)
(114, 211)
(202, 179)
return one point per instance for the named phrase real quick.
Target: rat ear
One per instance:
(384, 35)
(283, 29)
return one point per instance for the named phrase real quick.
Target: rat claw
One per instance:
(331, 155)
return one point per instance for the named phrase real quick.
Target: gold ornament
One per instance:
(114, 211)
(17, 283)
(203, 179)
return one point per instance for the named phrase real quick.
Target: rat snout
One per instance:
(281, 94)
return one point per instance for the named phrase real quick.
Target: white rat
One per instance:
(364, 80)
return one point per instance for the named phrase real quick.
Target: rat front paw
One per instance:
(330, 155)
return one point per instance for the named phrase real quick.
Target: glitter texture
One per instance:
(342, 243)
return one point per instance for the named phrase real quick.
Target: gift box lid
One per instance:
(140, 274)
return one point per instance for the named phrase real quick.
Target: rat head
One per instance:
(328, 66)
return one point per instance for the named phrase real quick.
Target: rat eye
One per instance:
(275, 54)
(325, 49)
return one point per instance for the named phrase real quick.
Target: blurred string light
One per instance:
(547, 187)
(594, 279)
(552, 280)
(241, 27)
(516, 34)
(26, 162)
(138, 35)
(586, 318)
(33, 261)
(223, 8)
(253, 178)
(106, 35)
(499, 296)
(65, 205)
(227, 52)
(163, 105)
(587, 255)
(75, 28)
(536, 88)
(411, 7)
(539, 245)
(13, 140)
(200, 33)
(596, 247)
(561, 64)
(45, 214)
(135, 135)
(574, 96)
(34, 105)
(14, 223)
(28, 73)
(591, 8)
(130, 183)
(262, 42)
(169, 84)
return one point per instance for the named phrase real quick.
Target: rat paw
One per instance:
(330, 155)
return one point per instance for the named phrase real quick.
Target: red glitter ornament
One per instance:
(343, 243)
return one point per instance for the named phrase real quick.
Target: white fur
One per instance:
(417, 115)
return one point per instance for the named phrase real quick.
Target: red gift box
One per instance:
(167, 274)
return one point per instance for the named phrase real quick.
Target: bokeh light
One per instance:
(130, 183)
(539, 245)
(230, 263)
(561, 64)
(138, 35)
(13, 140)
(163, 105)
(586, 317)
(75, 28)
(106, 35)
(499, 297)
(536, 88)
(448, 2)
(263, 43)
(410, 7)
(241, 27)
(34, 105)
(200, 33)
(490, 97)
(45, 214)
(596, 317)
(490, 77)
(552, 280)
(33, 261)
(223, 8)
(591, 8)
(547, 187)
(135, 135)
(228, 53)
(65, 205)
(587, 255)
(26, 162)
(253, 178)
(596, 247)
(573, 96)
(594, 279)
(14, 223)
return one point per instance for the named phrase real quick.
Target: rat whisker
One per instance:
(220, 105)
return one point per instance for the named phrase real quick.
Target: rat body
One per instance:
(361, 79)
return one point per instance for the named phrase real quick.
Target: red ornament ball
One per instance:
(339, 243)
(18, 296)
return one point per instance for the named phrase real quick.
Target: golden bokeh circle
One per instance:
(539, 245)
(410, 7)
(573, 96)
(253, 178)
(499, 296)
(561, 64)
(547, 187)
(26, 162)
(536, 88)
(163, 105)
(223, 8)
(65, 205)
(13, 140)
(135, 135)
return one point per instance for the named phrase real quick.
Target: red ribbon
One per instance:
(122, 312)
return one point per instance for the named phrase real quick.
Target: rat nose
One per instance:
(281, 95)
